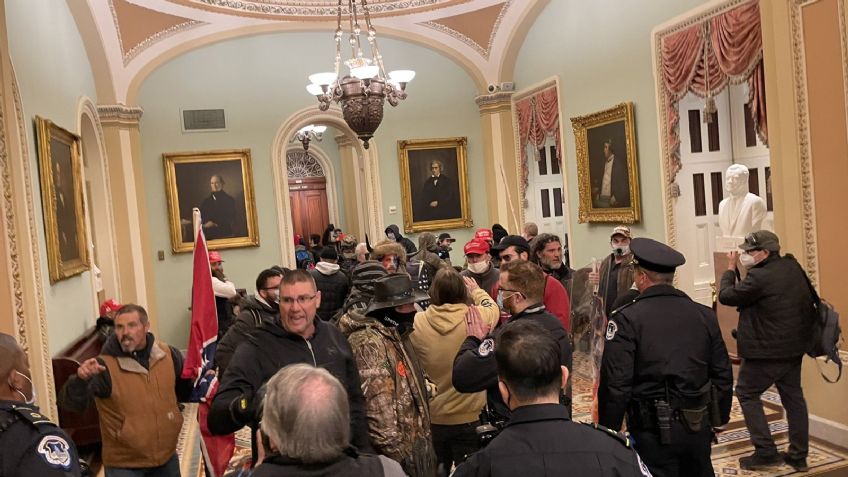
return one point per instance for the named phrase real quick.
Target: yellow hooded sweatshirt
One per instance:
(439, 332)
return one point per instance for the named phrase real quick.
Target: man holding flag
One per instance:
(200, 358)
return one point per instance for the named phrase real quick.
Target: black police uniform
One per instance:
(540, 440)
(31, 445)
(475, 369)
(663, 355)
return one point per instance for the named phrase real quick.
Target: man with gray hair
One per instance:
(306, 420)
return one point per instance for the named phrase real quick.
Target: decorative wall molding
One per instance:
(802, 124)
(495, 102)
(289, 8)
(119, 115)
(32, 315)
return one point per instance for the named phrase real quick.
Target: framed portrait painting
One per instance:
(607, 168)
(220, 184)
(434, 184)
(60, 170)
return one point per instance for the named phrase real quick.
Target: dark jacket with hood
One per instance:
(422, 266)
(255, 313)
(405, 242)
(334, 286)
(775, 305)
(272, 348)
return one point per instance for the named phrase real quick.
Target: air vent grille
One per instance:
(204, 120)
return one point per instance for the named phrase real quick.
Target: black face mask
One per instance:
(401, 321)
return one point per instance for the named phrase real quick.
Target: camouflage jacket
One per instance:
(395, 396)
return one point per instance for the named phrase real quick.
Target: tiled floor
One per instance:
(732, 445)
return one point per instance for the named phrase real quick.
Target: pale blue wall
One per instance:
(53, 73)
(601, 52)
(258, 96)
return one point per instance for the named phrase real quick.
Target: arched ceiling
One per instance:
(134, 37)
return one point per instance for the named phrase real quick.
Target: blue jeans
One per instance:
(168, 469)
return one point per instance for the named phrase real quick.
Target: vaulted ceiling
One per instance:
(133, 37)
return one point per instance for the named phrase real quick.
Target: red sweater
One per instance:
(555, 301)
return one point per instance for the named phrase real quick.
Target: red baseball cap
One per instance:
(215, 257)
(476, 246)
(484, 234)
(109, 306)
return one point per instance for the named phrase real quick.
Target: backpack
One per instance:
(826, 333)
(303, 259)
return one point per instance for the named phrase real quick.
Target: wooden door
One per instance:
(310, 212)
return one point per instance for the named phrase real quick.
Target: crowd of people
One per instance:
(391, 359)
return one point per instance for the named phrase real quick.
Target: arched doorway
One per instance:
(359, 169)
(308, 193)
(98, 206)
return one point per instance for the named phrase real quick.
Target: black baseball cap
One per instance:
(517, 241)
(446, 236)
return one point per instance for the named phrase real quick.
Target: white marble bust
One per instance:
(742, 212)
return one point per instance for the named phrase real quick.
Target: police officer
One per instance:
(666, 367)
(540, 439)
(521, 288)
(30, 445)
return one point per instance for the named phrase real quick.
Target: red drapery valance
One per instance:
(538, 118)
(733, 54)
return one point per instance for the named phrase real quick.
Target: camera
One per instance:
(491, 424)
(493, 88)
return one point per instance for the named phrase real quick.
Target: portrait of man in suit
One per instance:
(439, 197)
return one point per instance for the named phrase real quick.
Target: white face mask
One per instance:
(747, 261)
(621, 250)
(31, 400)
(479, 267)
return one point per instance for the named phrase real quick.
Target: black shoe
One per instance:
(758, 462)
(800, 465)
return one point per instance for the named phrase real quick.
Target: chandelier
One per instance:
(363, 92)
(309, 133)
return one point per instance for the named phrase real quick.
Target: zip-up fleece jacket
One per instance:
(272, 348)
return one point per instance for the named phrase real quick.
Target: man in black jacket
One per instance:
(393, 234)
(522, 286)
(333, 284)
(300, 339)
(258, 310)
(663, 356)
(775, 305)
(540, 439)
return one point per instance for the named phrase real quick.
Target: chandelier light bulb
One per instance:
(314, 89)
(401, 76)
(364, 72)
(323, 79)
(320, 129)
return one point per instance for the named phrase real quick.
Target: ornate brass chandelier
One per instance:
(309, 133)
(363, 92)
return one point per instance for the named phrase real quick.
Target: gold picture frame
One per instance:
(430, 203)
(60, 172)
(599, 137)
(228, 213)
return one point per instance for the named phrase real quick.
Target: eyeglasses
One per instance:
(301, 300)
(751, 239)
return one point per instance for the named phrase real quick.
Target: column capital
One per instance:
(494, 103)
(119, 114)
(343, 140)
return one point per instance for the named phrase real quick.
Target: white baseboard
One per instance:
(829, 431)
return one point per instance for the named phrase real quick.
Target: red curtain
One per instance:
(538, 118)
(733, 54)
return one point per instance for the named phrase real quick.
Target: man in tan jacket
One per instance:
(135, 383)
